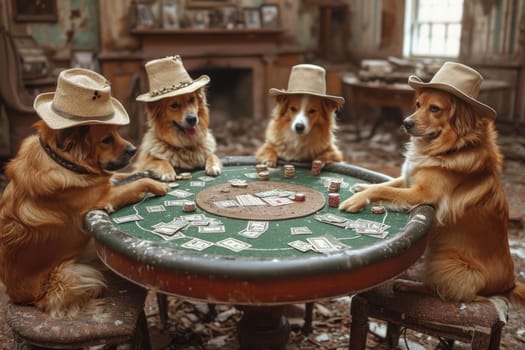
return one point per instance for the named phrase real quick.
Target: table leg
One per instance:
(263, 327)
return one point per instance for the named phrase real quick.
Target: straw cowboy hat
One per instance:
(459, 80)
(81, 97)
(307, 79)
(168, 77)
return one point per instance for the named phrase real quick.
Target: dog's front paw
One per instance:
(355, 203)
(359, 187)
(270, 162)
(157, 188)
(109, 208)
(214, 170)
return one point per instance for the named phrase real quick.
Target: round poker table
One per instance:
(267, 272)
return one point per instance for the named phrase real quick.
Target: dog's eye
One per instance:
(192, 100)
(108, 140)
(434, 108)
(418, 104)
(312, 111)
(175, 105)
(293, 109)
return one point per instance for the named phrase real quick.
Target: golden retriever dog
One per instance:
(452, 163)
(56, 177)
(303, 120)
(178, 136)
(42, 213)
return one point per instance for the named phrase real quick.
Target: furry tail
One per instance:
(72, 291)
(517, 295)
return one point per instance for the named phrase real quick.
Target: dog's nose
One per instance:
(299, 127)
(408, 124)
(191, 119)
(131, 150)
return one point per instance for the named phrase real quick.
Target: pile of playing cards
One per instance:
(274, 197)
(172, 230)
(254, 229)
(322, 244)
(361, 226)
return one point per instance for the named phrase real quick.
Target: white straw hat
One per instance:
(167, 77)
(307, 79)
(82, 97)
(459, 80)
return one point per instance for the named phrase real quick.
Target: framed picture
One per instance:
(207, 3)
(270, 16)
(35, 10)
(252, 17)
(145, 17)
(170, 15)
(229, 16)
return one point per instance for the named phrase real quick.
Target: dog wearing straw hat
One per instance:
(56, 177)
(178, 136)
(453, 163)
(303, 120)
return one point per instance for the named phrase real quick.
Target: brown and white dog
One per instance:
(56, 177)
(178, 136)
(303, 120)
(453, 163)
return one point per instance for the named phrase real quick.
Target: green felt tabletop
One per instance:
(137, 240)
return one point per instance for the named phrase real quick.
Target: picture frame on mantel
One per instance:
(207, 3)
(35, 10)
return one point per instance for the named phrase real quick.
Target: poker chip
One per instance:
(260, 168)
(333, 200)
(335, 186)
(185, 176)
(189, 206)
(377, 209)
(289, 170)
(263, 175)
(299, 197)
(316, 167)
(239, 183)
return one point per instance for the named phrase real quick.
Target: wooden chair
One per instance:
(123, 303)
(477, 323)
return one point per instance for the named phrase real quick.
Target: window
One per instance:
(433, 28)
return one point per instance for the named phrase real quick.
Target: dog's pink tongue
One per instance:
(189, 131)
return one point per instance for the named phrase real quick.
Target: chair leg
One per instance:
(359, 326)
(141, 339)
(308, 318)
(162, 302)
(393, 332)
(495, 338)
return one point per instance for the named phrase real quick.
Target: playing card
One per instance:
(180, 193)
(248, 200)
(250, 234)
(277, 201)
(321, 244)
(233, 244)
(197, 244)
(302, 230)
(226, 204)
(128, 218)
(211, 229)
(155, 208)
(261, 226)
(206, 178)
(197, 183)
(193, 217)
(300, 245)
(175, 203)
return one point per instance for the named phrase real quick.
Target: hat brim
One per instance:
(195, 85)
(276, 92)
(417, 84)
(43, 106)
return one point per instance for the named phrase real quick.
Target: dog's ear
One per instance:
(331, 105)
(282, 102)
(463, 117)
(154, 109)
(201, 95)
(69, 138)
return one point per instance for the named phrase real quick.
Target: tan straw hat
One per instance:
(459, 80)
(307, 79)
(81, 97)
(168, 77)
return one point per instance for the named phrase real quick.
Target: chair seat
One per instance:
(478, 323)
(123, 309)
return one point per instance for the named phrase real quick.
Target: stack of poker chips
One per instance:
(333, 200)
(261, 167)
(263, 175)
(189, 206)
(335, 186)
(185, 176)
(289, 170)
(299, 197)
(316, 167)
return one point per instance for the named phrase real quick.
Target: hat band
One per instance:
(79, 118)
(170, 88)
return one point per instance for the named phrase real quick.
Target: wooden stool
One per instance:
(476, 323)
(125, 322)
